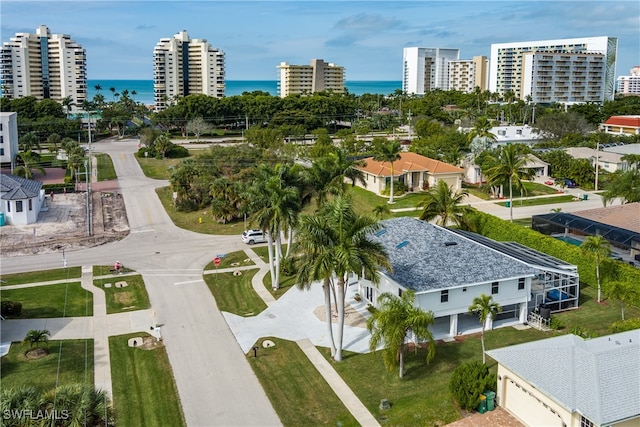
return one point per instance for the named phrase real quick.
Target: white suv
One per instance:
(254, 236)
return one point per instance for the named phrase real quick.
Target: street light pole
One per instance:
(597, 163)
(86, 180)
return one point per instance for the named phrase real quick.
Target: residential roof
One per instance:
(520, 252)
(409, 162)
(15, 188)
(590, 153)
(426, 257)
(534, 162)
(597, 378)
(624, 149)
(625, 216)
(632, 121)
(515, 134)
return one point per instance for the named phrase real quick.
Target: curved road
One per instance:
(215, 382)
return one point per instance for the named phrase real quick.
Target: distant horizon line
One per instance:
(245, 80)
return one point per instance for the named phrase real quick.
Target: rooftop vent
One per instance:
(381, 232)
(450, 243)
(402, 244)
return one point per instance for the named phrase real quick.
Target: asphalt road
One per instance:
(215, 382)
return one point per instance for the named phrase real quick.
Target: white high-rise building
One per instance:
(426, 68)
(630, 85)
(306, 79)
(8, 138)
(564, 70)
(43, 65)
(467, 74)
(184, 66)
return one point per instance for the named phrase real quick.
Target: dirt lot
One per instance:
(63, 224)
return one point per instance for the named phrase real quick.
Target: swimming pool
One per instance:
(569, 240)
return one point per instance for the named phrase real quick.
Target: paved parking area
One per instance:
(496, 418)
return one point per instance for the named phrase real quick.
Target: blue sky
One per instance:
(366, 37)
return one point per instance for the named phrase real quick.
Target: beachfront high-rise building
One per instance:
(630, 85)
(43, 65)
(565, 70)
(184, 66)
(466, 75)
(306, 79)
(426, 68)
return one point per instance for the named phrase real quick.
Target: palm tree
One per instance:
(30, 162)
(389, 152)
(162, 144)
(328, 173)
(98, 88)
(380, 211)
(480, 136)
(85, 405)
(392, 321)
(445, 203)
(29, 141)
(484, 307)
(54, 139)
(510, 167)
(113, 91)
(37, 337)
(623, 292)
(335, 242)
(67, 103)
(598, 246)
(274, 204)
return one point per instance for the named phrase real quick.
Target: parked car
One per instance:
(254, 236)
(568, 182)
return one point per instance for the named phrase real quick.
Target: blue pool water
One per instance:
(569, 240)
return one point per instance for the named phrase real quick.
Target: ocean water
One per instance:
(144, 88)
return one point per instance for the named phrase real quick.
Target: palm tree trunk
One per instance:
(341, 283)
(274, 283)
(289, 242)
(326, 288)
(598, 278)
(391, 195)
(484, 357)
(510, 200)
(278, 254)
(622, 306)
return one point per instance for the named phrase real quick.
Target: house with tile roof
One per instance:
(570, 381)
(415, 171)
(20, 199)
(473, 174)
(622, 125)
(447, 269)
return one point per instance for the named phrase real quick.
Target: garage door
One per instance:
(527, 407)
(451, 182)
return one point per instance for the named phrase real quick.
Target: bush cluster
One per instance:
(468, 381)
(10, 308)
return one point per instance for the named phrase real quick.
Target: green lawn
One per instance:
(191, 220)
(595, 317)
(106, 170)
(297, 391)
(238, 257)
(128, 298)
(422, 397)
(157, 168)
(46, 301)
(235, 294)
(76, 365)
(144, 391)
(364, 201)
(41, 276)
(541, 201)
(286, 282)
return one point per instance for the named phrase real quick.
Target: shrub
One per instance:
(468, 381)
(288, 266)
(10, 309)
(399, 188)
(556, 323)
(625, 325)
(177, 152)
(581, 332)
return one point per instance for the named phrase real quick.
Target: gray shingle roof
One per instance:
(436, 258)
(598, 378)
(16, 188)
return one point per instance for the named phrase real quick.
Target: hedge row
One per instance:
(611, 270)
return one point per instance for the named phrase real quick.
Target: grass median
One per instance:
(124, 293)
(75, 358)
(41, 276)
(538, 202)
(297, 391)
(46, 301)
(144, 391)
(234, 293)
